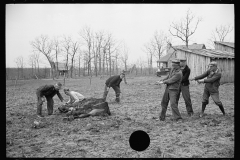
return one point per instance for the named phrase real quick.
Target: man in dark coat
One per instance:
(173, 81)
(47, 91)
(184, 86)
(114, 82)
(211, 87)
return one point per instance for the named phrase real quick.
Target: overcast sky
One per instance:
(134, 24)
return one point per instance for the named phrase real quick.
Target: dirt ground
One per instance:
(92, 137)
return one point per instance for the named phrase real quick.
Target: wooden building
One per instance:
(198, 60)
(62, 68)
(224, 46)
(165, 62)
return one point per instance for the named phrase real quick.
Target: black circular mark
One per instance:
(139, 140)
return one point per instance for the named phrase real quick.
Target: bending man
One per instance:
(114, 82)
(47, 91)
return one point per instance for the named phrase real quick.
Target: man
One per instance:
(184, 86)
(211, 87)
(74, 98)
(49, 91)
(114, 82)
(173, 81)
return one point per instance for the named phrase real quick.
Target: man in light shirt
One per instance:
(74, 98)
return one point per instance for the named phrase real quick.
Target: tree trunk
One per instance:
(84, 68)
(110, 66)
(104, 62)
(38, 68)
(125, 63)
(72, 68)
(32, 70)
(95, 64)
(113, 67)
(107, 65)
(79, 67)
(100, 64)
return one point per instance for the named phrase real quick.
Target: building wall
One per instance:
(223, 48)
(199, 64)
(227, 68)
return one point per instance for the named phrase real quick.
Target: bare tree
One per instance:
(87, 35)
(140, 64)
(20, 65)
(124, 56)
(185, 28)
(99, 36)
(79, 63)
(66, 47)
(116, 56)
(44, 46)
(219, 34)
(74, 46)
(111, 49)
(158, 42)
(150, 49)
(104, 56)
(31, 62)
(57, 49)
(36, 57)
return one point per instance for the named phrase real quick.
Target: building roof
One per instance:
(210, 53)
(203, 52)
(229, 44)
(62, 66)
(166, 57)
(192, 46)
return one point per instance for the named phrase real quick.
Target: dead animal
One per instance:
(87, 107)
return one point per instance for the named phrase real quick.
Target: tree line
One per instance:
(100, 53)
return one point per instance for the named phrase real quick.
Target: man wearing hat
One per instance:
(184, 86)
(114, 82)
(172, 81)
(211, 87)
(47, 91)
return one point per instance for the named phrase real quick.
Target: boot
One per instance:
(117, 97)
(222, 109)
(203, 109)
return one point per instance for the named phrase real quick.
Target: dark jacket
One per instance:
(186, 72)
(212, 81)
(48, 91)
(114, 81)
(173, 79)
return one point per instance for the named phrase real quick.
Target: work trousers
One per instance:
(170, 95)
(214, 94)
(50, 104)
(117, 92)
(186, 97)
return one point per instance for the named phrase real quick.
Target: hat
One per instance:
(182, 59)
(176, 61)
(213, 63)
